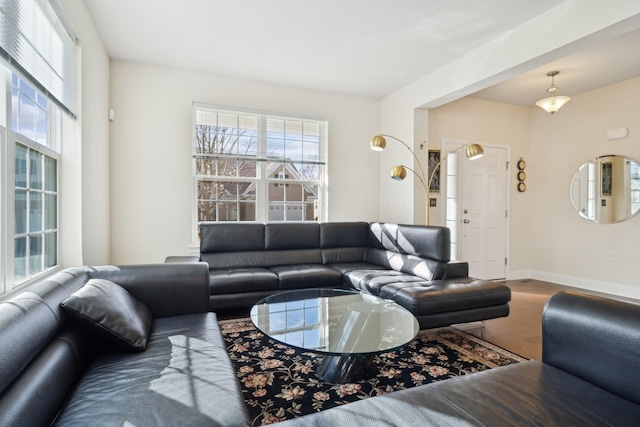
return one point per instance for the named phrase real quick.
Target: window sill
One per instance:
(24, 286)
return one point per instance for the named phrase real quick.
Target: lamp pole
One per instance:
(433, 174)
(421, 176)
(378, 143)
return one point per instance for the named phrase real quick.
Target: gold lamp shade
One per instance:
(398, 173)
(474, 151)
(378, 143)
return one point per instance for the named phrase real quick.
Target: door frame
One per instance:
(450, 144)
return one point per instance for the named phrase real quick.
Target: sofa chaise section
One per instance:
(450, 301)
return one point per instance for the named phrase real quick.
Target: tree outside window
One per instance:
(256, 167)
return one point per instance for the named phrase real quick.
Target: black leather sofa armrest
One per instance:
(181, 258)
(166, 289)
(594, 338)
(456, 270)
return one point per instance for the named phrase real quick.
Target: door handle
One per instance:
(466, 221)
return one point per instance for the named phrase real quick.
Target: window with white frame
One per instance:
(34, 178)
(451, 214)
(31, 156)
(251, 166)
(634, 175)
(38, 63)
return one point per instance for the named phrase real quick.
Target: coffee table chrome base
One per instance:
(344, 369)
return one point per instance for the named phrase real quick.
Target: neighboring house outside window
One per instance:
(259, 167)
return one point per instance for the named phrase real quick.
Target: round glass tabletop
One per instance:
(335, 322)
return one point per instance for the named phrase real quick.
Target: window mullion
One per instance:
(262, 209)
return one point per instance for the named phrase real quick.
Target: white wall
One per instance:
(565, 29)
(151, 182)
(85, 211)
(548, 239)
(493, 123)
(397, 199)
(566, 248)
(571, 26)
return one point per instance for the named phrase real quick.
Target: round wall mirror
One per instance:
(607, 189)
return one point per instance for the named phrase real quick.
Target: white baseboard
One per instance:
(577, 282)
(519, 275)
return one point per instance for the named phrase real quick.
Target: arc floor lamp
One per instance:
(399, 172)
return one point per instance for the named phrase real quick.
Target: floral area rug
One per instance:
(279, 382)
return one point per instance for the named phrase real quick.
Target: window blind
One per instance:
(287, 140)
(36, 40)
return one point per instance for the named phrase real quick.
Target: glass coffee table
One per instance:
(349, 328)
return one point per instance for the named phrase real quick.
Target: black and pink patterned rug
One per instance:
(279, 382)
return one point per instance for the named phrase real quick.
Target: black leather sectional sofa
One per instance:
(55, 369)
(409, 264)
(588, 377)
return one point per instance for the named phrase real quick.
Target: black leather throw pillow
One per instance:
(112, 310)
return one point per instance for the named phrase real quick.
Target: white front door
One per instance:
(482, 213)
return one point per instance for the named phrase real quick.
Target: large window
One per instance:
(258, 167)
(38, 71)
(30, 237)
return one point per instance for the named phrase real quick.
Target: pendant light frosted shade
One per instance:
(552, 103)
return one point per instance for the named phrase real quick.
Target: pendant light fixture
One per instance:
(553, 102)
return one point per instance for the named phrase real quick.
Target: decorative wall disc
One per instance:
(521, 175)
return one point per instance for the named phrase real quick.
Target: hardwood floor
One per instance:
(521, 331)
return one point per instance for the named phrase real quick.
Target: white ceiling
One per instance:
(360, 47)
(603, 64)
